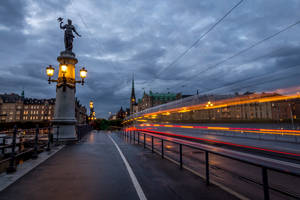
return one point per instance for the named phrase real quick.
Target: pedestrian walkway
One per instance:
(103, 166)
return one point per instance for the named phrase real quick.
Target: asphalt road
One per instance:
(94, 169)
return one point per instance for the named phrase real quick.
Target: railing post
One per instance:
(144, 140)
(36, 140)
(180, 155)
(207, 167)
(79, 133)
(152, 144)
(57, 133)
(49, 139)
(12, 165)
(133, 137)
(162, 148)
(138, 137)
(265, 183)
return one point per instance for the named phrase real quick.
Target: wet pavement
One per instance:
(94, 169)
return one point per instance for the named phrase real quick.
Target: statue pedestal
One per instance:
(64, 117)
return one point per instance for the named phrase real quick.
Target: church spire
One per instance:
(132, 88)
(132, 98)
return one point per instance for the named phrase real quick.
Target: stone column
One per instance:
(64, 115)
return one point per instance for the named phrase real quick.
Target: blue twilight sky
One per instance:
(121, 37)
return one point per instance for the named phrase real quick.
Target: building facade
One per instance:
(155, 99)
(276, 111)
(38, 109)
(15, 108)
(121, 114)
(80, 113)
(11, 107)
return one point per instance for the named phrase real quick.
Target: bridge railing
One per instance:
(82, 130)
(18, 145)
(261, 177)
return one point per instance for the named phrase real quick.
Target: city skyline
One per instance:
(145, 38)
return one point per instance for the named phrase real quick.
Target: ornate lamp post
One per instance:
(92, 112)
(64, 116)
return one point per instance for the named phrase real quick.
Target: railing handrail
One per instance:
(264, 168)
(247, 160)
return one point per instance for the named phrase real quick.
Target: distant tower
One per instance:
(23, 94)
(92, 112)
(132, 98)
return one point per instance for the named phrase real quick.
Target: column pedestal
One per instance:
(64, 117)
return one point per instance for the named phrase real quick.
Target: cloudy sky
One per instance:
(148, 38)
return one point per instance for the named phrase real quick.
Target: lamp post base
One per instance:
(64, 130)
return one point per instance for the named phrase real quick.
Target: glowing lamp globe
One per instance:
(83, 73)
(50, 71)
(64, 68)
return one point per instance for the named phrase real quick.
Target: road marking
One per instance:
(135, 182)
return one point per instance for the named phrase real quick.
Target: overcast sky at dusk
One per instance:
(121, 37)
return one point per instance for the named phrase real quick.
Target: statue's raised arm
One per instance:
(62, 27)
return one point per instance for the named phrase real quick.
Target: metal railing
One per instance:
(32, 141)
(82, 130)
(23, 144)
(142, 137)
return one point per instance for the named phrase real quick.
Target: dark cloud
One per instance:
(12, 13)
(120, 38)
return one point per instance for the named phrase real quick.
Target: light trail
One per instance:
(254, 98)
(215, 141)
(231, 129)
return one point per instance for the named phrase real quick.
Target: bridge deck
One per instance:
(94, 169)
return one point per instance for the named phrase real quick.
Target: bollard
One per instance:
(49, 139)
(12, 166)
(36, 140)
(138, 137)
